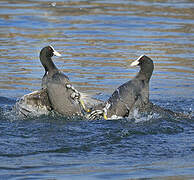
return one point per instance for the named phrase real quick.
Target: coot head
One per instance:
(146, 66)
(45, 57)
(49, 51)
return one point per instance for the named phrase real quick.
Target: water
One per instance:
(98, 40)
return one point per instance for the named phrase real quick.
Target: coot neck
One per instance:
(47, 63)
(144, 75)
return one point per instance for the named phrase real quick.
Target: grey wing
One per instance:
(123, 99)
(33, 104)
(61, 96)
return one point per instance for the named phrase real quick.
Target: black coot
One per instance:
(57, 92)
(130, 95)
(63, 97)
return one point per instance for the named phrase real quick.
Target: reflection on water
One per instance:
(98, 40)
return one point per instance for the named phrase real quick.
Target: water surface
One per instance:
(98, 41)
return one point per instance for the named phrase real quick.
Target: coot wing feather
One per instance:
(60, 95)
(124, 98)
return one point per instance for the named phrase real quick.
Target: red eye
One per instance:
(49, 49)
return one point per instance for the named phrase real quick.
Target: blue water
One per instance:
(98, 41)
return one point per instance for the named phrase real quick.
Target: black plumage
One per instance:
(56, 84)
(132, 94)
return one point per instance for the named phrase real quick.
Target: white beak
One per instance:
(136, 62)
(55, 52)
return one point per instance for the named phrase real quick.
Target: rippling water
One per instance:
(98, 40)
